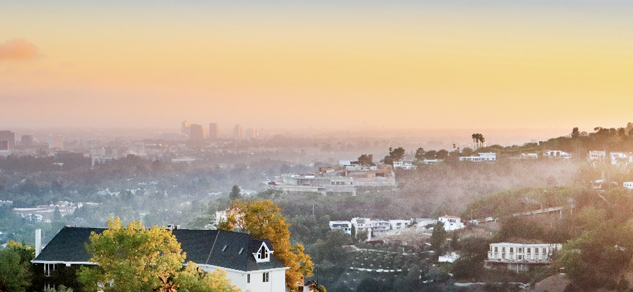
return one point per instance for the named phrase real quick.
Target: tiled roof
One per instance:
(204, 247)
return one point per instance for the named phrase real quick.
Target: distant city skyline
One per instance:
(400, 64)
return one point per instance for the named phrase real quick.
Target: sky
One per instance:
(320, 64)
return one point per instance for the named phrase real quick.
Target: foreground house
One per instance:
(250, 263)
(520, 256)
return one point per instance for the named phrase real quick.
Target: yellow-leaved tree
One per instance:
(140, 259)
(263, 220)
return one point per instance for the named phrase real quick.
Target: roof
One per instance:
(204, 247)
(450, 217)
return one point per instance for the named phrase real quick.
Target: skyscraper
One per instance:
(237, 131)
(214, 131)
(196, 132)
(9, 137)
(26, 140)
(56, 142)
(184, 127)
(251, 133)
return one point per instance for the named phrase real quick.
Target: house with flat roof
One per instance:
(250, 263)
(451, 222)
(520, 256)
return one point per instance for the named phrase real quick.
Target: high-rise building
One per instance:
(196, 132)
(56, 142)
(184, 127)
(26, 140)
(214, 131)
(237, 131)
(251, 133)
(9, 137)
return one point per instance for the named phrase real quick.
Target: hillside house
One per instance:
(621, 158)
(486, 156)
(556, 154)
(520, 256)
(451, 222)
(346, 226)
(597, 155)
(250, 263)
(406, 165)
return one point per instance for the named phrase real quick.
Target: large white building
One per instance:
(519, 256)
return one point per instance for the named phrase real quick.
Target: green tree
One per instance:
(15, 267)
(599, 257)
(235, 193)
(192, 279)
(441, 154)
(438, 238)
(366, 159)
(134, 258)
(263, 220)
(419, 154)
(394, 155)
(131, 259)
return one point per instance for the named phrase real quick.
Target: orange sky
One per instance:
(406, 64)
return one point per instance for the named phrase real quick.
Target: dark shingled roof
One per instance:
(204, 247)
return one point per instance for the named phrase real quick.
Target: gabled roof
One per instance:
(204, 247)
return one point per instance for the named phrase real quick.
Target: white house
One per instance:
(250, 263)
(519, 256)
(399, 224)
(556, 153)
(486, 156)
(407, 165)
(451, 222)
(621, 158)
(346, 226)
(628, 185)
(597, 155)
(529, 156)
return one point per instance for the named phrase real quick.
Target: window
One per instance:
(248, 278)
(263, 254)
(265, 277)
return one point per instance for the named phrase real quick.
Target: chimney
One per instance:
(38, 241)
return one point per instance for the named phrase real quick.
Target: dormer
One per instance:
(263, 254)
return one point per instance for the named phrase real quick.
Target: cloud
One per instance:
(18, 49)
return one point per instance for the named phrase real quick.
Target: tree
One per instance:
(15, 267)
(441, 154)
(140, 259)
(366, 159)
(419, 154)
(598, 257)
(438, 238)
(235, 193)
(575, 132)
(192, 279)
(263, 220)
(394, 155)
(131, 259)
(478, 139)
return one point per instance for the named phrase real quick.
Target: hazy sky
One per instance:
(386, 64)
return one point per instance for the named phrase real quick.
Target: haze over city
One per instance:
(539, 65)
